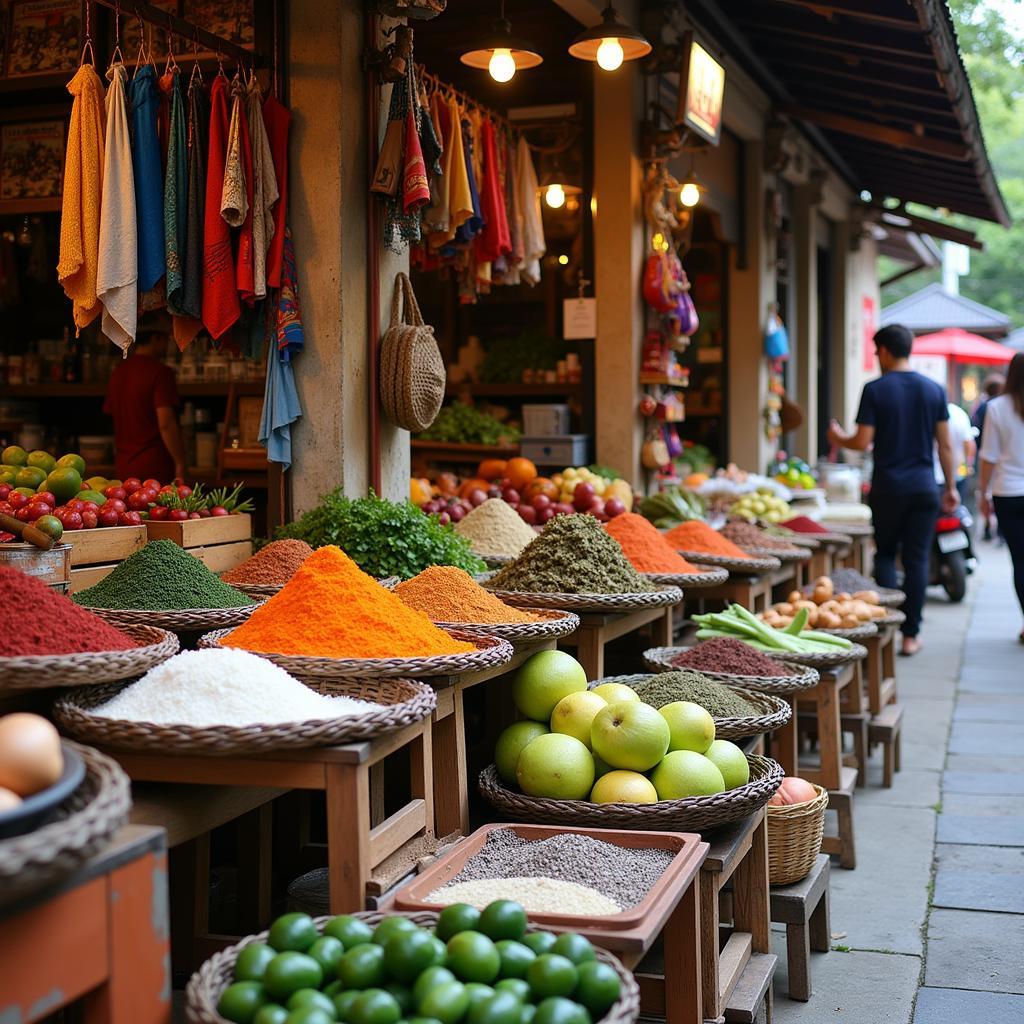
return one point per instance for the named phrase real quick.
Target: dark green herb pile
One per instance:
(714, 697)
(573, 555)
(459, 423)
(384, 538)
(161, 577)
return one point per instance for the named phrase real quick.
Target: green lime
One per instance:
(392, 926)
(333, 989)
(422, 1020)
(539, 942)
(598, 988)
(447, 1002)
(94, 496)
(556, 1010)
(503, 919)
(350, 931)
(27, 491)
(44, 461)
(14, 455)
(75, 462)
(8, 474)
(292, 931)
(459, 917)
(240, 1001)
(430, 978)
(271, 1013)
(519, 987)
(499, 1008)
(290, 971)
(363, 967)
(310, 997)
(574, 947)
(30, 476)
(375, 1006)
(327, 951)
(478, 992)
(526, 1013)
(515, 958)
(309, 1015)
(440, 950)
(51, 526)
(403, 996)
(407, 954)
(343, 1003)
(252, 961)
(551, 975)
(64, 482)
(473, 957)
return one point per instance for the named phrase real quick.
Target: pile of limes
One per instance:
(477, 967)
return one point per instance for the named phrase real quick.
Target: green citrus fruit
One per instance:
(392, 926)
(574, 947)
(93, 496)
(459, 917)
(440, 950)
(430, 978)
(73, 461)
(422, 1020)
(327, 951)
(350, 931)
(343, 1003)
(499, 1008)
(240, 1001)
(292, 931)
(363, 967)
(30, 476)
(271, 1013)
(253, 960)
(333, 988)
(448, 1003)
(8, 474)
(408, 954)
(310, 997)
(27, 491)
(473, 957)
(539, 942)
(403, 996)
(598, 988)
(526, 1013)
(515, 958)
(478, 992)
(519, 987)
(557, 1010)
(14, 455)
(551, 975)
(43, 460)
(309, 1015)
(375, 1006)
(289, 971)
(503, 919)
(51, 526)
(65, 483)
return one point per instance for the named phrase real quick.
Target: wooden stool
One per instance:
(881, 668)
(753, 992)
(804, 909)
(857, 726)
(885, 728)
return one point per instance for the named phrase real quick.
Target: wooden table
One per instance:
(599, 628)
(98, 941)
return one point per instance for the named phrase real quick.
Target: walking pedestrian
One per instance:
(1002, 468)
(992, 388)
(903, 414)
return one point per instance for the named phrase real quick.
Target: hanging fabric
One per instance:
(117, 270)
(277, 119)
(474, 223)
(78, 259)
(189, 324)
(460, 199)
(148, 172)
(435, 216)
(264, 188)
(514, 207)
(534, 245)
(243, 254)
(234, 202)
(176, 197)
(493, 241)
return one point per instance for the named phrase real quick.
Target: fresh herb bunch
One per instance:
(193, 503)
(506, 359)
(465, 424)
(384, 538)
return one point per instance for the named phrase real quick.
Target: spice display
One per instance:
(446, 594)
(621, 874)
(747, 535)
(573, 555)
(536, 895)
(494, 528)
(803, 524)
(224, 687)
(645, 547)
(276, 563)
(54, 626)
(716, 698)
(697, 536)
(739, 623)
(161, 577)
(732, 657)
(332, 609)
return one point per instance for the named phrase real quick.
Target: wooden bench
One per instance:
(753, 991)
(885, 728)
(804, 909)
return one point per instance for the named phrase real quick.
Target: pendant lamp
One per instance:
(500, 53)
(611, 42)
(554, 187)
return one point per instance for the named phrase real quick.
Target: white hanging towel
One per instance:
(534, 245)
(118, 269)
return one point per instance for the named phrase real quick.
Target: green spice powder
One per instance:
(161, 577)
(573, 555)
(715, 697)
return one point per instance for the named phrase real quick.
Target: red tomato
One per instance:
(219, 510)
(17, 500)
(107, 517)
(116, 504)
(5, 489)
(25, 514)
(131, 485)
(76, 505)
(158, 513)
(138, 501)
(130, 519)
(46, 496)
(115, 492)
(177, 515)
(72, 521)
(167, 489)
(90, 506)
(184, 491)
(151, 484)
(90, 518)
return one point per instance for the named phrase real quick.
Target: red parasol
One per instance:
(961, 346)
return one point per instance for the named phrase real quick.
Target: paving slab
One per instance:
(1001, 709)
(912, 787)
(955, 1006)
(974, 950)
(926, 720)
(979, 878)
(1008, 783)
(981, 763)
(928, 756)
(979, 830)
(1002, 681)
(985, 738)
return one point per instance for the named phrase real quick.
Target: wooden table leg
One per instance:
(348, 835)
(421, 774)
(750, 890)
(874, 663)
(785, 741)
(709, 925)
(451, 793)
(661, 629)
(682, 941)
(590, 650)
(830, 744)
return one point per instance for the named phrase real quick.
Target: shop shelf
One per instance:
(663, 381)
(469, 453)
(517, 390)
(187, 389)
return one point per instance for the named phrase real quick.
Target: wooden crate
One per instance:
(221, 557)
(104, 545)
(85, 576)
(49, 567)
(201, 533)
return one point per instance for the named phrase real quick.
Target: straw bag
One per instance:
(412, 372)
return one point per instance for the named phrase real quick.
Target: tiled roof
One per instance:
(933, 308)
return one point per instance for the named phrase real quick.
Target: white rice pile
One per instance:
(224, 687)
(536, 895)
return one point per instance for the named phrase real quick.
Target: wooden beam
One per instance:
(926, 226)
(871, 43)
(854, 9)
(906, 272)
(813, 71)
(877, 133)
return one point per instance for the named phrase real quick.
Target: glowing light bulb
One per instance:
(502, 66)
(563, 260)
(609, 55)
(689, 194)
(555, 196)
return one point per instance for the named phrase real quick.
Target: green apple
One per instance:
(690, 726)
(510, 745)
(630, 735)
(543, 680)
(574, 714)
(556, 766)
(620, 787)
(730, 761)
(684, 773)
(614, 692)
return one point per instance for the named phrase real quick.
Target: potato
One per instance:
(794, 596)
(813, 618)
(861, 610)
(849, 622)
(784, 621)
(878, 612)
(828, 620)
(785, 608)
(829, 606)
(809, 605)
(820, 595)
(844, 596)
(869, 596)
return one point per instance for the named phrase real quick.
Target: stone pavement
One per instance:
(937, 898)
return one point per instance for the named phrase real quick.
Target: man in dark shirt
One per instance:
(903, 414)
(142, 399)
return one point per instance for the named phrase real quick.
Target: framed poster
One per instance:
(230, 19)
(156, 35)
(45, 37)
(31, 160)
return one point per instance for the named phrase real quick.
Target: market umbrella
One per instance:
(962, 347)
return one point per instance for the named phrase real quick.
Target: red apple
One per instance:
(583, 497)
(151, 484)
(116, 504)
(129, 519)
(90, 518)
(5, 489)
(115, 492)
(563, 508)
(541, 502)
(477, 497)
(457, 513)
(511, 496)
(444, 518)
(17, 500)
(178, 515)
(158, 513)
(47, 496)
(131, 485)
(138, 501)
(107, 517)
(528, 514)
(596, 505)
(614, 507)
(544, 514)
(72, 520)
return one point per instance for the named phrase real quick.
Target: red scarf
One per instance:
(494, 240)
(415, 190)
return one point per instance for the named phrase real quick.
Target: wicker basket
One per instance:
(893, 617)
(553, 624)
(659, 659)
(827, 659)
(739, 566)
(188, 620)
(612, 603)
(259, 589)
(694, 814)
(47, 671)
(794, 838)
(784, 555)
(85, 823)
(712, 576)
(862, 632)
(207, 984)
(404, 701)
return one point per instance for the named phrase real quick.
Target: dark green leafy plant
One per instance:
(506, 359)
(384, 538)
(459, 423)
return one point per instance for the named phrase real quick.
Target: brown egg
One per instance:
(8, 800)
(30, 754)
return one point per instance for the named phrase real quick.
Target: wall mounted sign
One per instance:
(701, 103)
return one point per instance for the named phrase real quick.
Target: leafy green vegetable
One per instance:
(671, 506)
(464, 424)
(506, 359)
(384, 538)
(737, 623)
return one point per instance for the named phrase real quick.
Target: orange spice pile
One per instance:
(645, 547)
(698, 536)
(447, 594)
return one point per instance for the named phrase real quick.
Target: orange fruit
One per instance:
(520, 472)
(491, 469)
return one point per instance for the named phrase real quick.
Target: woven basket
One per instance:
(85, 823)
(694, 814)
(861, 632)
(258, 589)
(659, 659)
(207, 984)
(195, 620)
(794, 838)
(740, 566)
(591, 602)
(827, 659)
(491, 651)
(894, 617)
(710, 577)
(46, 671)
(553, 625)
(405, 702)
(784, 555)
(890, 598)
(496, 561)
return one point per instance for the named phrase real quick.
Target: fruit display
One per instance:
(606, 745)
(793, 473)
(481, 967)
(761, 504)
(825, 608)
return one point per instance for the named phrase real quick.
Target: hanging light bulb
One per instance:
(689, 194)
(502, 65)
(610, 55)
(500, 53)
(554, 195)
(610, 43)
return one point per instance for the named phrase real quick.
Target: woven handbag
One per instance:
(412, 372)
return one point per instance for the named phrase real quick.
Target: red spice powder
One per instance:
(37, 620)
(645, 547)
(698, 536)
(801, 524)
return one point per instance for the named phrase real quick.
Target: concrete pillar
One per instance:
(805, 266)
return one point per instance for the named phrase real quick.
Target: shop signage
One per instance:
(579, 319)
(701, 107)
(867, 327)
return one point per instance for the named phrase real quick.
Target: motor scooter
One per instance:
(952, 555)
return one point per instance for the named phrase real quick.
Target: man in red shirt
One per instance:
(142, 399)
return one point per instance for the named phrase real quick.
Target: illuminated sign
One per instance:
(705, 89)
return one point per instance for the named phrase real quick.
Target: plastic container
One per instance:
(546, 420)
(565, 450)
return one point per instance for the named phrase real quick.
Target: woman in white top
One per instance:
(1002, 468)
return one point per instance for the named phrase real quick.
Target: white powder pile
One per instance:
(536, 895)
(224, 687)
(494, 528)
